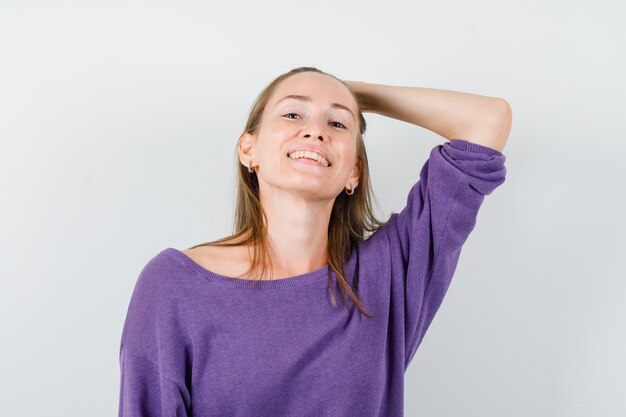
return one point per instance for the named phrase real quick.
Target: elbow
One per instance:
(500, 120)
(502, 112)
(492, 127)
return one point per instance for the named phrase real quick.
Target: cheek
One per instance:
(348, 153)
(282, 132)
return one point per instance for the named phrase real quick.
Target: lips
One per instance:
(312, 149)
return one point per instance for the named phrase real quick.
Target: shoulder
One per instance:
(163, 272)
(205, 256)
(231, 261)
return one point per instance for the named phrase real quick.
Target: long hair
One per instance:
(350, 219)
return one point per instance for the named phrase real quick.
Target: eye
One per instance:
(288, 114)
(344, 127)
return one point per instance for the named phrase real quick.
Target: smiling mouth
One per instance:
(310, 161)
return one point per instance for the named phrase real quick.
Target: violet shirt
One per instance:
(196, 343)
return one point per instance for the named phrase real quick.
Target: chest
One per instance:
(278, 357)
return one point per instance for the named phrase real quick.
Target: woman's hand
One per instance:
(356, 87)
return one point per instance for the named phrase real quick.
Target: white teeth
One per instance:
(310, 155)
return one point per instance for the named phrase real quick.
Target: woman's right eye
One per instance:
(288, 114)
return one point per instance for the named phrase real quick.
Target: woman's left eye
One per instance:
(289, 114)
(344, 127)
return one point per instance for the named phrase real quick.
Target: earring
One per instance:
(250, 170)
(351, 188)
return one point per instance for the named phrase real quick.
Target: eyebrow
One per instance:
(308, 99)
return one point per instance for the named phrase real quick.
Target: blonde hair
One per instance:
(350, 218)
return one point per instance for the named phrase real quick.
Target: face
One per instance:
(326, 120)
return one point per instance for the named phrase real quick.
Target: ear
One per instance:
(355, 174)
(245, 146)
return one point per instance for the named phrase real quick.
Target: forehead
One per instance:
(319, 87)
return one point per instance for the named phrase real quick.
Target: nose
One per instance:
(315, 128)
(315, 131)
(318, 135)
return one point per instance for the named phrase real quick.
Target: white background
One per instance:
(118, 125)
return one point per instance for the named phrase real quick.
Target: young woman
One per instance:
(248, 325)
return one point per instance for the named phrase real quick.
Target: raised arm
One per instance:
(479, 119)
(426, 237)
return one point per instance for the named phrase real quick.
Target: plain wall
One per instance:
(118, 125)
